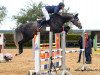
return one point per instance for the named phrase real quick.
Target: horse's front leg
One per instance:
(66, 29)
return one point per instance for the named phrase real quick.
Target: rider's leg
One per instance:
(45, 13)
(43, 22)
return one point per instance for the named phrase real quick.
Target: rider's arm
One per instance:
(56, 10)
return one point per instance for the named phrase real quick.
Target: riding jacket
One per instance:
(53, 9)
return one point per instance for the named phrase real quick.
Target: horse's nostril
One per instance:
(80, 27)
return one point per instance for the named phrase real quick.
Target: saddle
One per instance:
(42, 22)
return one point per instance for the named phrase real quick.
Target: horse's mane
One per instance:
(68, 16)
(56, 20)
(64, 16)
(55, 15)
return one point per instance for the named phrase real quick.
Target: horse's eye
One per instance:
(77, 19)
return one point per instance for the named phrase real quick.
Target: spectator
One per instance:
(88, 50)
(81, 47)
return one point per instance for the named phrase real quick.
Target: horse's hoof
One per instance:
(16, 54)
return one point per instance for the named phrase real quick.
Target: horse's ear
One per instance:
(76, 15)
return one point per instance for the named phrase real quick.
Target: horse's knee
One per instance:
(67, 29)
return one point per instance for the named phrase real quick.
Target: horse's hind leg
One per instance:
(20, 44)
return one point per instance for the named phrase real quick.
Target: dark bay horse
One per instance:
(26, 32)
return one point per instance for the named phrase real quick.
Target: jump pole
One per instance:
(37, 53)
(95, 42)
(36, 44)
(1, 47)
(57, 40)
(1, 41)
(50, 51)
(63, 46)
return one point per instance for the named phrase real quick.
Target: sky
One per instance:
(89, 12)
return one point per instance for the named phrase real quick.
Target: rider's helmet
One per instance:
(61, 4)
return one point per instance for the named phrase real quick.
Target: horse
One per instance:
(26, 32)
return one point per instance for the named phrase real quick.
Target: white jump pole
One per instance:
(36, 48)
(83, 35)
(63, 50)
(1, 41)
(63, 45)
(50, 47)
(37, 53)
(1, 47)
(50, 43)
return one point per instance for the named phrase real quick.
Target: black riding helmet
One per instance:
(61, 4)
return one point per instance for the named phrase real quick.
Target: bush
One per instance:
(9, 41)
(73, 37)
(72, 40)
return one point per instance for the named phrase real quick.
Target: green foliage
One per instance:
(73, 37)
(3, 12)
(9, 41)
(30, 13)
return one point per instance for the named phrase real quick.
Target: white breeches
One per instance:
(45, 13)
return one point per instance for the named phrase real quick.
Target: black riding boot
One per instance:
(43, 22)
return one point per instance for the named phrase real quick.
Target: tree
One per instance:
(3, 12)
(30, 13)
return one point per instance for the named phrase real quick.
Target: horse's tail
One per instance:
(17, 37)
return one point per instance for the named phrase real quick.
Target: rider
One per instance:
(51, 9)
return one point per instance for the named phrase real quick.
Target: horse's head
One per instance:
(75, 20)
(72, 18)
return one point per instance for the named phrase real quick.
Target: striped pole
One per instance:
(73, 51)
